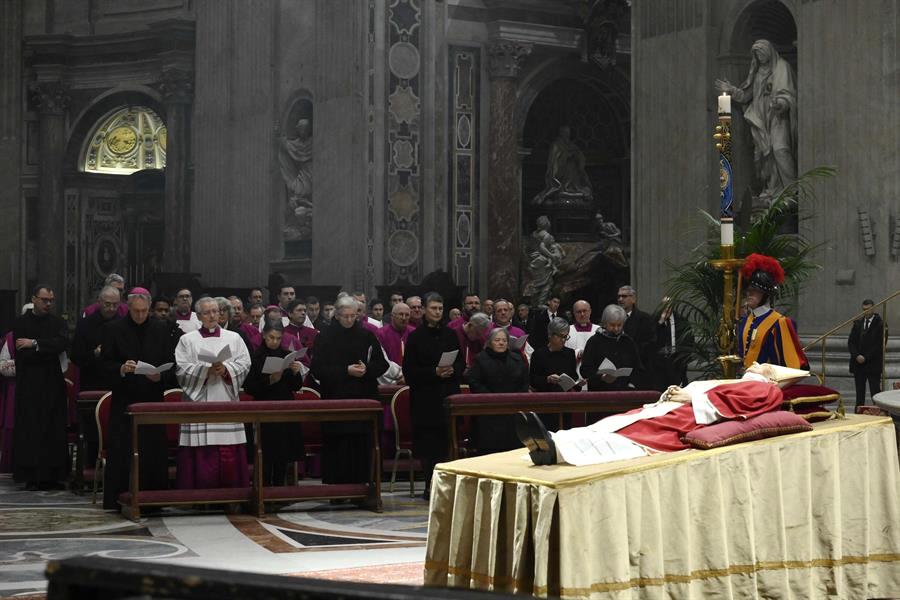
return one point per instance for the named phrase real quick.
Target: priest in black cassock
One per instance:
(135, 337)
(87, 342)
(347, 361)
(40, 457)
(429, 384)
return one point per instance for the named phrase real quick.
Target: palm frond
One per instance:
(696, 288)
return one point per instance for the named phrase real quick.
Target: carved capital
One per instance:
(176, 86)
(50, 97)
(506, 58)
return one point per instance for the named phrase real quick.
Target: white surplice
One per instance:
(200, 385)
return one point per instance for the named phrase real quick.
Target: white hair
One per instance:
(346, 302)
(204, 300)
(613, 313)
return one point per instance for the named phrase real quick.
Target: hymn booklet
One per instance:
(608, 368)
(143, 368)
(275, 364)
(566, 382)
(214, 351)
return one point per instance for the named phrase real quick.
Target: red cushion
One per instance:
(265, 405)
(755, 428)
(803, 393)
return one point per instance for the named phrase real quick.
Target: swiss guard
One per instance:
(764, 334)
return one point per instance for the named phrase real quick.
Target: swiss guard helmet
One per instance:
(763, 273)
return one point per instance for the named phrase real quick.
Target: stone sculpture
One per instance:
(544, 261)
(769, 96)
(295, 157)
(565, 181)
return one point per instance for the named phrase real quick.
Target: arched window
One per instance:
(125, 140)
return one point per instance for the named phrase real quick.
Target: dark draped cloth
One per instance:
(427, 391)
(39, 436)
(150, 342)
(497, 373)
(282, 443)
(89, 335)
(347, 447)
(620, 350)
(544, 362)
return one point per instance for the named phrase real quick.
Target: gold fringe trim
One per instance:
(851, 423)
(643, 582)
(813, 399)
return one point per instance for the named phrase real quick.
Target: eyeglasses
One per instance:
(562, 336)
(624, 295)
(180, 296)
(44, 299)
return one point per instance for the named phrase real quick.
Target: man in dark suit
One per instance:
(671, 348)
(639, 326)
(537, 334)
(866, 345)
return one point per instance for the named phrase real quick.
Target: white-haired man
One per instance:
(135, 337)
(112, 280)
(211, 455)
(582, 330)
(87, 342)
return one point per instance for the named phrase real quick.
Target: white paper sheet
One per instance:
(517, 343)
(566, 382)
(143, 368)
(214, 352)
(447, 358)
(608, 368)
(274, 364)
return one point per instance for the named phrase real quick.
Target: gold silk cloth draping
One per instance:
(809, 515)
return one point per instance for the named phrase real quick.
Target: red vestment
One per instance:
(732, 400)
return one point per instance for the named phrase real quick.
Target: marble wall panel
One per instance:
(232, 145)
(673, 161)
(11, 128)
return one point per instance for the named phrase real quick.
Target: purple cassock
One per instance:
(7, 406)
(393, 341)
(122, 310)
(469, 348)
(303, 338)
(364, 321)
(252, 335)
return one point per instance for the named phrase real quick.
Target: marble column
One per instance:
(504, 210)
(177, 88)
(52, 101)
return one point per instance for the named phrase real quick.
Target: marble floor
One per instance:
(304, 539)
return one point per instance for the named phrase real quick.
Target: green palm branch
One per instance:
(695, 288)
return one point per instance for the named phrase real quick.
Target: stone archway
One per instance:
(113, 221)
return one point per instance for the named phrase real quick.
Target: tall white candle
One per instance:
(724, 104)
(727, 233)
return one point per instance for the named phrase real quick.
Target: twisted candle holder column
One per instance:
(727, 263)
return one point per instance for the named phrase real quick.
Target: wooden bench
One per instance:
(560, 403)
(159, 413)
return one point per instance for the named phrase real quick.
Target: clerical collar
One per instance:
(761, 310)
(208, 333)
(589, 327)
(183, 317)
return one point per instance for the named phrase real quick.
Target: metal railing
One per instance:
(824, 337)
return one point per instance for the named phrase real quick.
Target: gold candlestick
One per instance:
(727, 263)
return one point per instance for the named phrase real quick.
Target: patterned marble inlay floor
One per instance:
(313, 538)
